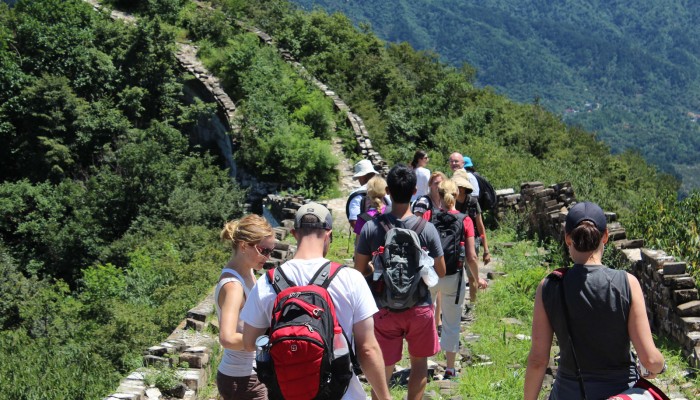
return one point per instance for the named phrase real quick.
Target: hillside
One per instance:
(627, 71)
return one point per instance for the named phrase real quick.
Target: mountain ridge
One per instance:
(637, 61)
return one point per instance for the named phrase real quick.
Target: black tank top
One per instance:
(599, 301)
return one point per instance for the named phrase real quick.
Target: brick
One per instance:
(689, 309)
(692, 339)
(194, 324)
(629, 243)
(674, 268)
(685, 296)
(691, 324)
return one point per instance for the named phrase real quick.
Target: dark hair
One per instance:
(305, 230)
(586, 236)
(401, 182)
(420, 154)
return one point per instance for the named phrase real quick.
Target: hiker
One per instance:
(457, 236)
(432, 198)
(252, 241)
(356, 204)
(424, 207)
(469, 204)
(420, 160)
(607, 310)
(485, 192)
(457, 162)
(416, 322)
(376, 192)
(351, 298)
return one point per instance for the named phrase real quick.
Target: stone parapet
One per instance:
(671, 295)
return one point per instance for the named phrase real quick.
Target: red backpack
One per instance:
(310, 357)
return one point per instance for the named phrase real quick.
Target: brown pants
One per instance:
(240, 387)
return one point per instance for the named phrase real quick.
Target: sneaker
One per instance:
(450, 374)
(468, 314)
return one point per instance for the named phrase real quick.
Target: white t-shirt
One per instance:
(354, 208)
(422, 178)
(351, 296)
(474, 183)
(235, 363)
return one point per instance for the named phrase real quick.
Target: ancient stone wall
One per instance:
(671, 295)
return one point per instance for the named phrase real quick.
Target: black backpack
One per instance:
(451, 230)
(487, 194)
(363, 203)
(303, 334)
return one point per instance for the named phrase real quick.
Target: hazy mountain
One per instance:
(628, 71)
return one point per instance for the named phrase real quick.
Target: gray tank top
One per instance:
(599, 301)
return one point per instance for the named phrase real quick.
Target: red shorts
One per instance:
(417, 325)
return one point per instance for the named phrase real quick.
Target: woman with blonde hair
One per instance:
(376, 194)
(457, 238)
(609, 311)
(252, 242)
(431, 200)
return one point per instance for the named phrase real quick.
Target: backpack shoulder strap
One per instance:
(278, 280)
(558, 274)
(384, 222)
(418, 226)
(326, 273)
(359, 192)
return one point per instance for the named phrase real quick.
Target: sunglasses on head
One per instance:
(263, 251)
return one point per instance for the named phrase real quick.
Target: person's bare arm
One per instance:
(230, 300)
(439, 265)
(484, 243)
(473, 263)
(362, 263)
(250, 334)
(370, 357)
(640, 332)
(538, 359)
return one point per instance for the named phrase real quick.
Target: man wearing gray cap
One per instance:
(351, 296)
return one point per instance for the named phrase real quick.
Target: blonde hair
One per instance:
(376, 190)
(250, 229)
(448, 193)
(435, 175)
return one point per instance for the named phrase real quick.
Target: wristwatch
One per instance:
(662, 369)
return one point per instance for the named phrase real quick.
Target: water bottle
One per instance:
(340, 345)
(262, 354)
(462, 255)
(378, 265)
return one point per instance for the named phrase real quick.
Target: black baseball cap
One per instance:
(585, 211)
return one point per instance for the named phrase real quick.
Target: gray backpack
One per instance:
(398, 284)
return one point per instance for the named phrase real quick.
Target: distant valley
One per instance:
(628, 71)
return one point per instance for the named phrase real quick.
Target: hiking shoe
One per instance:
(468, 314)
(450, 374)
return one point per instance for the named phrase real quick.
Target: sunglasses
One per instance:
(263, 251)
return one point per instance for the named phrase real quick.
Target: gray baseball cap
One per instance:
(317, 210)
